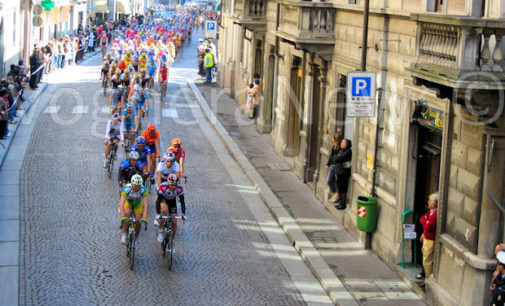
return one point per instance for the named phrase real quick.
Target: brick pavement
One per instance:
(350, 274)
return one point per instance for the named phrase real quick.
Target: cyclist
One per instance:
(105, 72)
(153, 141)
(116, 90)
(113, 135)
(128, 119)
(142, 100)
(144, 153)
(129, 167)
(166, 167)
(151, 70)
(166, 203)
(133, 197)
(103, 44)
(163, 76)
(179, 153)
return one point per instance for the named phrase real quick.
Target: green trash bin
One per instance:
(367, 213)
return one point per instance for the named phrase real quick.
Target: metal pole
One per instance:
(366, 10)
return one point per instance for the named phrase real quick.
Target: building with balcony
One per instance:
(440, 83)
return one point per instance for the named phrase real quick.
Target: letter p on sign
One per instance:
(361, 86)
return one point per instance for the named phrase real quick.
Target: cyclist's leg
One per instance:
(172, 206)
(107, 148)
(138, 211)
(127, 213)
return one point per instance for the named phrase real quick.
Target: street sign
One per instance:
(361, 94)
(37, 21)
(210, 29)
(37, 10)
(409, 232)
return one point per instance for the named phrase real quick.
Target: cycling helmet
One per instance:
(118, 72)
(136, 76)
(170, 157)
(172, 179)
(106, 63)
(134, 155)
(113, 65)
(140, 140)
(164, 56)
(176, 141)
(151, 128)
(129, 105)
(127, 71)
(137, 179)
(115, 116)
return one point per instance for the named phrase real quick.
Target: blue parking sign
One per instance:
(361, 86)
(211, 26)
(361, 94)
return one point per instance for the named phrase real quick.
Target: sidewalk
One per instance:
(350, 274)
(31, 97)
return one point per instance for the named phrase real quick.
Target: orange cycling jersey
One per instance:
(150, 139)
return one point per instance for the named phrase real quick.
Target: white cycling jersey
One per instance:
(165, 171)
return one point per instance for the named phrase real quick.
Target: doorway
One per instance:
(429, 144)
(315, 126)
(294, 106)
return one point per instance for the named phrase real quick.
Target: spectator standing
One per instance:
(4, 113)
(429, 222)
(342, 162)
(209, 64)
(201, 55)
(35, 63)
(498, 281)
(334, 195)
(255, 94)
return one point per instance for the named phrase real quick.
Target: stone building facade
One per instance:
(440, 84)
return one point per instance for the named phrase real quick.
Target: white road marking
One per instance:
(169, 113)
(80, 109)
(52, 109)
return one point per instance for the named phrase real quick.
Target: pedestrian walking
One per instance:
(331, 180)
(429, 223)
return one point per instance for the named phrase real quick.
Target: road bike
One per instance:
(148, 183)
(130, 239)
(105, 84)
(167, 246)
(110, 158)
(163, 90)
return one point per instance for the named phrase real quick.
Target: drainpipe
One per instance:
(366, 10)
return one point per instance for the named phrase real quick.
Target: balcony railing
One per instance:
(453, 51)
(251, 12)
(307, 23)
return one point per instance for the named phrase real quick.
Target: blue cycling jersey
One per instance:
(143, 154)
(129, 117)
(126, 164)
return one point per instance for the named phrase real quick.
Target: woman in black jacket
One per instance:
(330, 166)
(343, 170)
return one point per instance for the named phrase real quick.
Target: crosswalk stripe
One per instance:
(80, 109)
(169, 113)
(105, 109)
(52, 109)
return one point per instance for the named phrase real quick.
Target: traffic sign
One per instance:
(361, 94)
(37, 21)
(210, 29)
(37, 10)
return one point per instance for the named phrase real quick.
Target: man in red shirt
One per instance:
(429, 222)
(179, 152)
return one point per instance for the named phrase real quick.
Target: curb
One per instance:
(27, 108)
(323, 273)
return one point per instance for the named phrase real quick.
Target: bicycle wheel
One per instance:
(148, 185)
(170, 250)
(131, 246)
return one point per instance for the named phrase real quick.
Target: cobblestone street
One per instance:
(70, 251)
